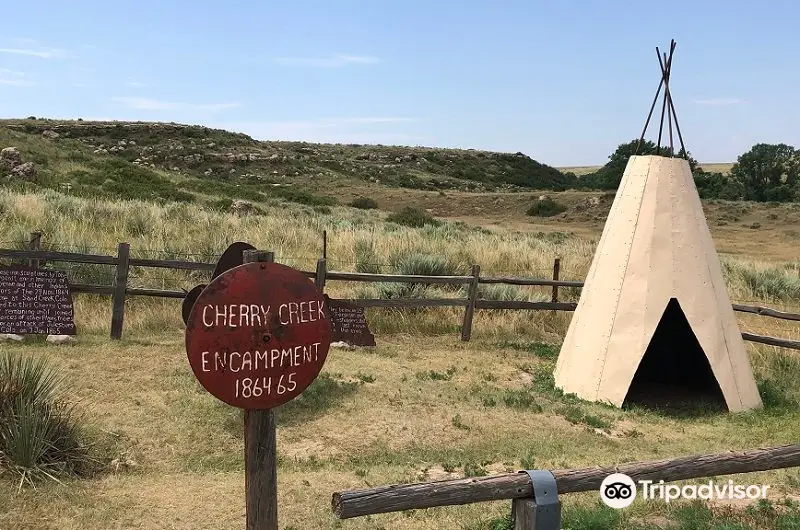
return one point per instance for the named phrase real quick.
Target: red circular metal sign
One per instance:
(258, 335)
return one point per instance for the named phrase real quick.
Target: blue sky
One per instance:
(564, 82)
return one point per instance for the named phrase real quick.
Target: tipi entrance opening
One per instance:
(674, 369)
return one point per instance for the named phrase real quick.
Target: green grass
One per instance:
(682, 516)
(324, 393)
(575, 414)
(539, 349)
(521, 399)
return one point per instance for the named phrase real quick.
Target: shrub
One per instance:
(546, 208)
(501, 292)
(40, 436)
(302, 197)
(412, 217)
(219, 205)
(364, 203)
(778, 378)
(366, 259)
(421, 264)
(115, 178)
(772, 283)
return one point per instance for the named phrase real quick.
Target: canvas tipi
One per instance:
(654, 314)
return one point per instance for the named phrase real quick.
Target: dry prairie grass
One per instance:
(294, 233)
(420, 404)
(406, 411)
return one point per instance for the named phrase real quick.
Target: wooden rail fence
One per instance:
(519, 487)
(123, 262)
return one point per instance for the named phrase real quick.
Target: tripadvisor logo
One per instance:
(619, 491)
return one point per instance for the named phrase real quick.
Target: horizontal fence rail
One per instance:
(65, 257)
(122, 262)
(398, 278)
(766, 312)
(771, 341)
(530, 281)
(400, 497)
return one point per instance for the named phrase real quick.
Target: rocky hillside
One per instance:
(180, 159)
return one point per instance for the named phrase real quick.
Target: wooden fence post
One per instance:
(261, 473)
(120, 287)
(466, 326)
(556, 270)
(35, 244)
(322, 267)
(523, 514)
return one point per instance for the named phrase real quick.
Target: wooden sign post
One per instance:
(256, 337)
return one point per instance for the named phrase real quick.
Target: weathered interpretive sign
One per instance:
(35, 302)
(349, 323)
(258, 335)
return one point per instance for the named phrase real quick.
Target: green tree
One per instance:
(609, 176)
(717, 186)
(768, 172)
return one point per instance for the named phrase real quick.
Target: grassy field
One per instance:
(415, 408)
(420, 406)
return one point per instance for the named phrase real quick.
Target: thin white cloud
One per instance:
(372, 119)
(140, 103)
(41, 53)
(358, 59)
(718, 102)
(13, 78)
(32, 48)
(336, 61)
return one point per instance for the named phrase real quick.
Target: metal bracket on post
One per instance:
(547, 506)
